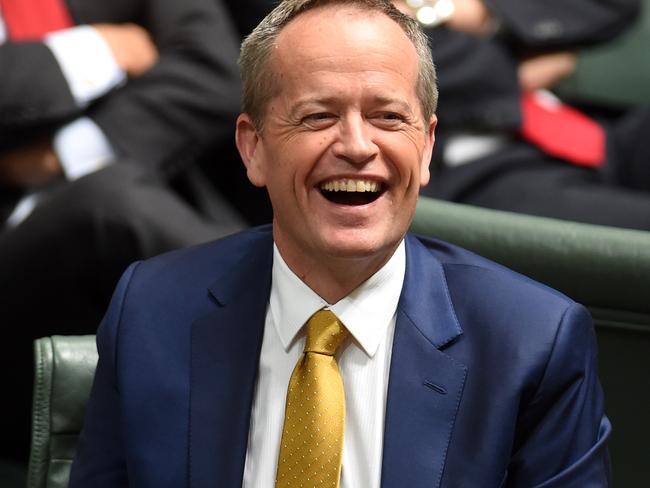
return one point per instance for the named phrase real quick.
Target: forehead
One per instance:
(343, 40)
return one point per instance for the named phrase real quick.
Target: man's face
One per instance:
(344, 149)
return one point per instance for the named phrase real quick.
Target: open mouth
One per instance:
(351, 192)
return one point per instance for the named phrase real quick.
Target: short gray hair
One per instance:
(259, 81)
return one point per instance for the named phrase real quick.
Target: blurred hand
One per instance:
(472, 17)
(546, 70)
(401, 5)
(30, 166)
(131, 45)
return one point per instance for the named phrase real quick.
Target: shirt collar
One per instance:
(366, 312)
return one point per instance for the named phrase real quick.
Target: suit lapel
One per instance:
(225, 354)
(425, 384)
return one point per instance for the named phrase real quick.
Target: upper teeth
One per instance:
(351, 185)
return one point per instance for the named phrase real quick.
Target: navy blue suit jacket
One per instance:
(493, 378)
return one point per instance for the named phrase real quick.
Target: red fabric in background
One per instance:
(30, 20)
(562, 131)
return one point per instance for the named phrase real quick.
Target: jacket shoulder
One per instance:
(466, 269)
(188, 272)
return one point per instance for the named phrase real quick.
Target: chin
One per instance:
(358, 244)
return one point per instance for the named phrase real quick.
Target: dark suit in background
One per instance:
(246, 14)
(492, 380)
(60, 265)
(480, 94)
(230, 179)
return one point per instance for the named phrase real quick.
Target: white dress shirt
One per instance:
(86, 61)
(369, 314)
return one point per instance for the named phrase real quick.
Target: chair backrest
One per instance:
(64, 370)
(614, 73)
(605, 268)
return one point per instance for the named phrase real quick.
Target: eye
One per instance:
(319, 120)
(389, 120)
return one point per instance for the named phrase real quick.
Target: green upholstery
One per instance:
(64, 369)
(605, 268)
(617, 73)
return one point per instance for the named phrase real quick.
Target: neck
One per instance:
(335, 277)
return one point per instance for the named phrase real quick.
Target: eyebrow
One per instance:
(387, 100)
(300, 104)
(328, 101)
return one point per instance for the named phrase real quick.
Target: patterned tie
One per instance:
(314, 421)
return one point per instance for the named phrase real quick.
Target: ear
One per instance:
(430, 139)
(250, 150)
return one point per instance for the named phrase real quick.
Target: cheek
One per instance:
(406, 155)
(288, 174)
(308, 156)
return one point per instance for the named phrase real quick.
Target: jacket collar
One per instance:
(425, 384)
(225, 353)
(425, 296)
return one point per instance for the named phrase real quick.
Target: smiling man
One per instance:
(333, 349)
(344, 145)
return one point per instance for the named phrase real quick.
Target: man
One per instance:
(104, 108)
(455, 371)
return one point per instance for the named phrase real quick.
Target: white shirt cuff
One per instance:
(82, 148)
(87, 62)
(3, 30)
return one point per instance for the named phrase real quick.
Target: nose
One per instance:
(355, 143)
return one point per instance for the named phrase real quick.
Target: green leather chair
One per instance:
(64, 370)
(605, 268)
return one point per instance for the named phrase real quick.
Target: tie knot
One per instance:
(325, 333)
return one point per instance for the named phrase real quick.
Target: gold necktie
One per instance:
(314, 420)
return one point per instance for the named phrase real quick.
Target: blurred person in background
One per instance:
(105, 107)
(505, 141)
(230, 179)
(246, 14)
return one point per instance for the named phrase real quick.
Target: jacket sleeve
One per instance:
(33, 90)
(477, 80)
(100, 457)
(563, 431)
(189, 99)
(559, 24)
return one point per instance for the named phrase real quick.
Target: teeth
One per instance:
(351, 186)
